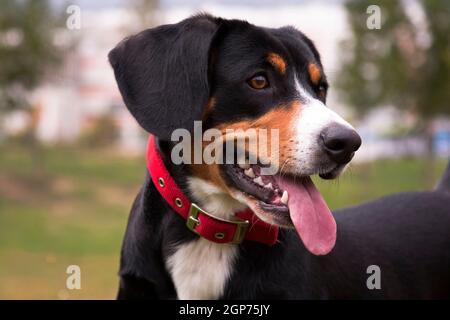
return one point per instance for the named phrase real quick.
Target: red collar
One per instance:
(247, 226)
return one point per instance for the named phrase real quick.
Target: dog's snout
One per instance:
(340, 142)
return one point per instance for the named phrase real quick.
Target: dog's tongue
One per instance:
(311, 216)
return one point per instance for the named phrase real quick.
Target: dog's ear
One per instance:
(162, 74)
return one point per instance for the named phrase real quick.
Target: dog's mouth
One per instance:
(287, 200)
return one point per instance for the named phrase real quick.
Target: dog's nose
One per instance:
(340, 142)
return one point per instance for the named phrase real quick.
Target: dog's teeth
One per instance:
(269, 185)
(259, 181)
(285, 197)
(249, 172)
(244, 166)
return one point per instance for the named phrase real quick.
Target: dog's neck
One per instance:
(213, 199)
(215, 260)
(204, 193)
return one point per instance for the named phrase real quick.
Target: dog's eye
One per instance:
(258, 82)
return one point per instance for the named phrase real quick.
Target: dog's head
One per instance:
(233, 75)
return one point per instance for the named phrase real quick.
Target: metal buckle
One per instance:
(193, 221)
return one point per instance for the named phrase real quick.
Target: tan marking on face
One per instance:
(207, 172)
(314, 73)
(277, 62)
(209, 108)
(282, 118)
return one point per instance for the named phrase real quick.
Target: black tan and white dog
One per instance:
(226, 231)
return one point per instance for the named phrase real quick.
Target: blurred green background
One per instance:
(73, 212)
(77, 211)
(72, 158)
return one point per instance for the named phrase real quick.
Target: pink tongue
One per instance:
(311, 216)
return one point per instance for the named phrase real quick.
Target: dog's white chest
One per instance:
(200, 269)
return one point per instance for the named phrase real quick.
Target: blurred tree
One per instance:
(27, 52)
(103, 133)
(146, 12)
(435, 72)
(405, 63)
(27, 55)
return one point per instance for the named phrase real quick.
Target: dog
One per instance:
(225, 231)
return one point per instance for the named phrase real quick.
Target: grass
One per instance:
(74, 211)
(369, 181)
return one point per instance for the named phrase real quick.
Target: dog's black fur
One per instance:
(166, 76)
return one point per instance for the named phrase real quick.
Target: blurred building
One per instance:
(86, 90)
